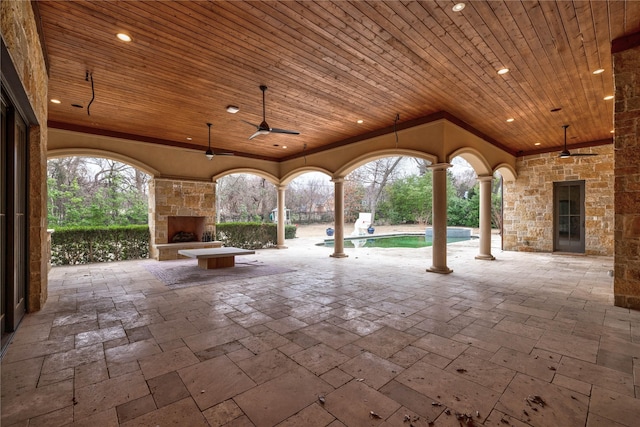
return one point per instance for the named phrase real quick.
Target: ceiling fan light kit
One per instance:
(209, 154)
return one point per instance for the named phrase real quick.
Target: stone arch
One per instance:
(507, 171)
(252, 171)
(350, 166)
(93, 152)
(477, 161)
(290, 176)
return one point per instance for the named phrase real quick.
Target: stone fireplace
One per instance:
(180, 228)
(180, 206)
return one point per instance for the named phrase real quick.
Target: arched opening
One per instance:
(252, 198)
(91, 193)
(95, 191)
(244, 197)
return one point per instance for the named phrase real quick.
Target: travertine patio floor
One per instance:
(369, 340)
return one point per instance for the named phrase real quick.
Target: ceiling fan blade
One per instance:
(565, 154)
(583, 154)
(263, 128)
(290, 132)
(252, 124)
(259, 132)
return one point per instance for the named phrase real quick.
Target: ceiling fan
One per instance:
(209, 153)
(565, 154)
(263, 128)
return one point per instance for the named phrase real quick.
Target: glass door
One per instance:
(13, 218)
(569, 230)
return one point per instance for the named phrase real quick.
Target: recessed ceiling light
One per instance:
(284, 146)
(608, 97)
(503, 71)
(458, 7)
(613, 131)
(360, 121)
(510, 119)
(232, 109)
(124, 37)
(537, 143)
(55, 101)
(599, 71)
(189, 138)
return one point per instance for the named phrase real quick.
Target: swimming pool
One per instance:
(405, 240)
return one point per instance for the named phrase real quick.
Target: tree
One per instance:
(496, 201)
(95, 191)
(410, 200)
(245, 197)
(375, 176)
(354, 193)
(463, 211)
(306, 195)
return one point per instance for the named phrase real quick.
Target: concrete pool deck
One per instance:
(366, 340)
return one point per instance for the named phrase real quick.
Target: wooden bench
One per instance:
(215, 257)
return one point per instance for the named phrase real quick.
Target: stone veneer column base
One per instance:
(486, 257)
(339, 255)
(627, 301)
(445, 270)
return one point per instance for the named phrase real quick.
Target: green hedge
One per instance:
(84, 245)
(251, 235)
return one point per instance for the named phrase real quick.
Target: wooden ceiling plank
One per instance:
(330, 62)
(331, 96)
(564, 33)
(577, 65)
(401, 33)
(631, 18)
(492, 92)
(541, 75)
(364, 52)
(257, 97)
(506, 107)
(524, 68)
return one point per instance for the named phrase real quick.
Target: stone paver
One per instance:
(331, 343)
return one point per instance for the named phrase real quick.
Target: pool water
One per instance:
(391, 241)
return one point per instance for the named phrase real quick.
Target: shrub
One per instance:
(84, 245)
(251, 235)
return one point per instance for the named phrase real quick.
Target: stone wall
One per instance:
(20, 34)
(528, 201)
(169, 197)
(626, 286)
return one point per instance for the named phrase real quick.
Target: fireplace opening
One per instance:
(185, 228)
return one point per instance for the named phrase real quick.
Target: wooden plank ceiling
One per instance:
(328, 65)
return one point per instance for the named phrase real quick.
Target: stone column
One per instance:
(626, 118)
(439, 248)
(282, 212)
(338, 236)
(485, 217)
